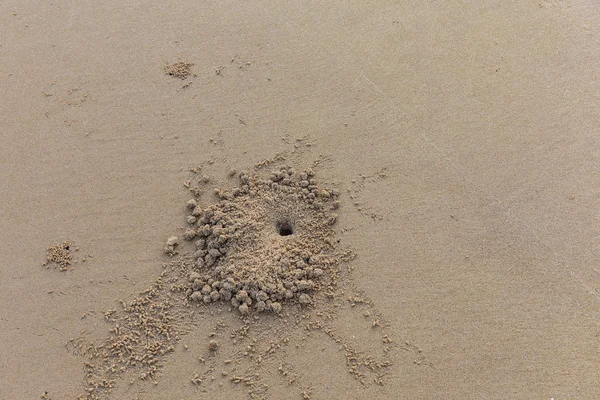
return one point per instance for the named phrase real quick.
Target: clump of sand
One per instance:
(179, 69)
(170, 246)
(263, 244)
(60, 256)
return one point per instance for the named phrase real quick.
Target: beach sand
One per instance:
(406, 203)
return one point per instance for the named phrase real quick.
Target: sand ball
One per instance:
(242, 295)
(324, 194)
(191, 204)
(276, 307)
(304, 299)
(209, 260)
(225, 294)
(193, 276)
(172, 241)
(200, 254)
(197, 212)
(189, 234)
(206, 230)
(196, 296)
(305, 285)
(261, 295)
(244, 309)
(197, 284)
(215, 253)
(206, 289)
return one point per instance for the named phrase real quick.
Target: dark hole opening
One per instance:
(285, 228)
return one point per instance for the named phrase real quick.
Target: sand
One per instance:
(455, 143)
(263, 248)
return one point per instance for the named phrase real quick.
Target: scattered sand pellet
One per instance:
(191, 204)
(179, 69)
(304, 299)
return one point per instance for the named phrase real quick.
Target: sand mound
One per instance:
(60, 256)
(179, 69)
(264, 243)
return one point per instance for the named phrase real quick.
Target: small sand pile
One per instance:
(263, 244)
(179, 69)
(60, 255)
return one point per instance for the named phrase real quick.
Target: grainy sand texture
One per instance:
(299, 200)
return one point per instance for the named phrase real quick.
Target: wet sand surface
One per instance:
(454, 145)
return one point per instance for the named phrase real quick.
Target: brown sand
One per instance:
(461, 136)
